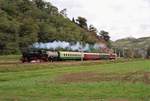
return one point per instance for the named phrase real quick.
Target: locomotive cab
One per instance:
(34, 56)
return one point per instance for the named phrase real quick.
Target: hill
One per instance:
(133, 42)
(24, 22)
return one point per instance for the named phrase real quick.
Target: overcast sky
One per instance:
(121, 18)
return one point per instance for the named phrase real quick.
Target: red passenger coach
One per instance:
(91, 56)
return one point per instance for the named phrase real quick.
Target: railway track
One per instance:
(9, 63)
(64, 62)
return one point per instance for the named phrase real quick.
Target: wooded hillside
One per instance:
(132, 47)
(24, 22)
(133, 43)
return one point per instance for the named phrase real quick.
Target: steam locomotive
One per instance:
(45, 56)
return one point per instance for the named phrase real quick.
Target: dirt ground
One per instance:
(132, 77)
(118, 100)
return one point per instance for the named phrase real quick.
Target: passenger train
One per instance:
(45, 56)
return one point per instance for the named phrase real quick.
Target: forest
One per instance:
(24, 22)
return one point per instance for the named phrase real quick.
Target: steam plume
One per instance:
(69, 46)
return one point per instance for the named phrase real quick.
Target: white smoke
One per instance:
(68, 46)
(99, 46)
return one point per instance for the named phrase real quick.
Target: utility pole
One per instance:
(123, 52)
(114, 50)
(119, 54)
(82, 55)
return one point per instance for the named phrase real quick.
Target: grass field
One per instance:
(89, 81)
(9, 58)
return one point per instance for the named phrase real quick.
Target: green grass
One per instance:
(37, 82)
(9, 58)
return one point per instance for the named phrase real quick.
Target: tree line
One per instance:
(132, 52)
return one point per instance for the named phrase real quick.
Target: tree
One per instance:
(8, 36)
(46, 33)
(24, 6)
(82, 22)
(92, 29)
(73, 20)
(27, 34)
(39, 3)
(105, 35)
(9, 7)
(64, 12)
(50, 9)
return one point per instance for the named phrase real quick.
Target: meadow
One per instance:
(75, 81)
